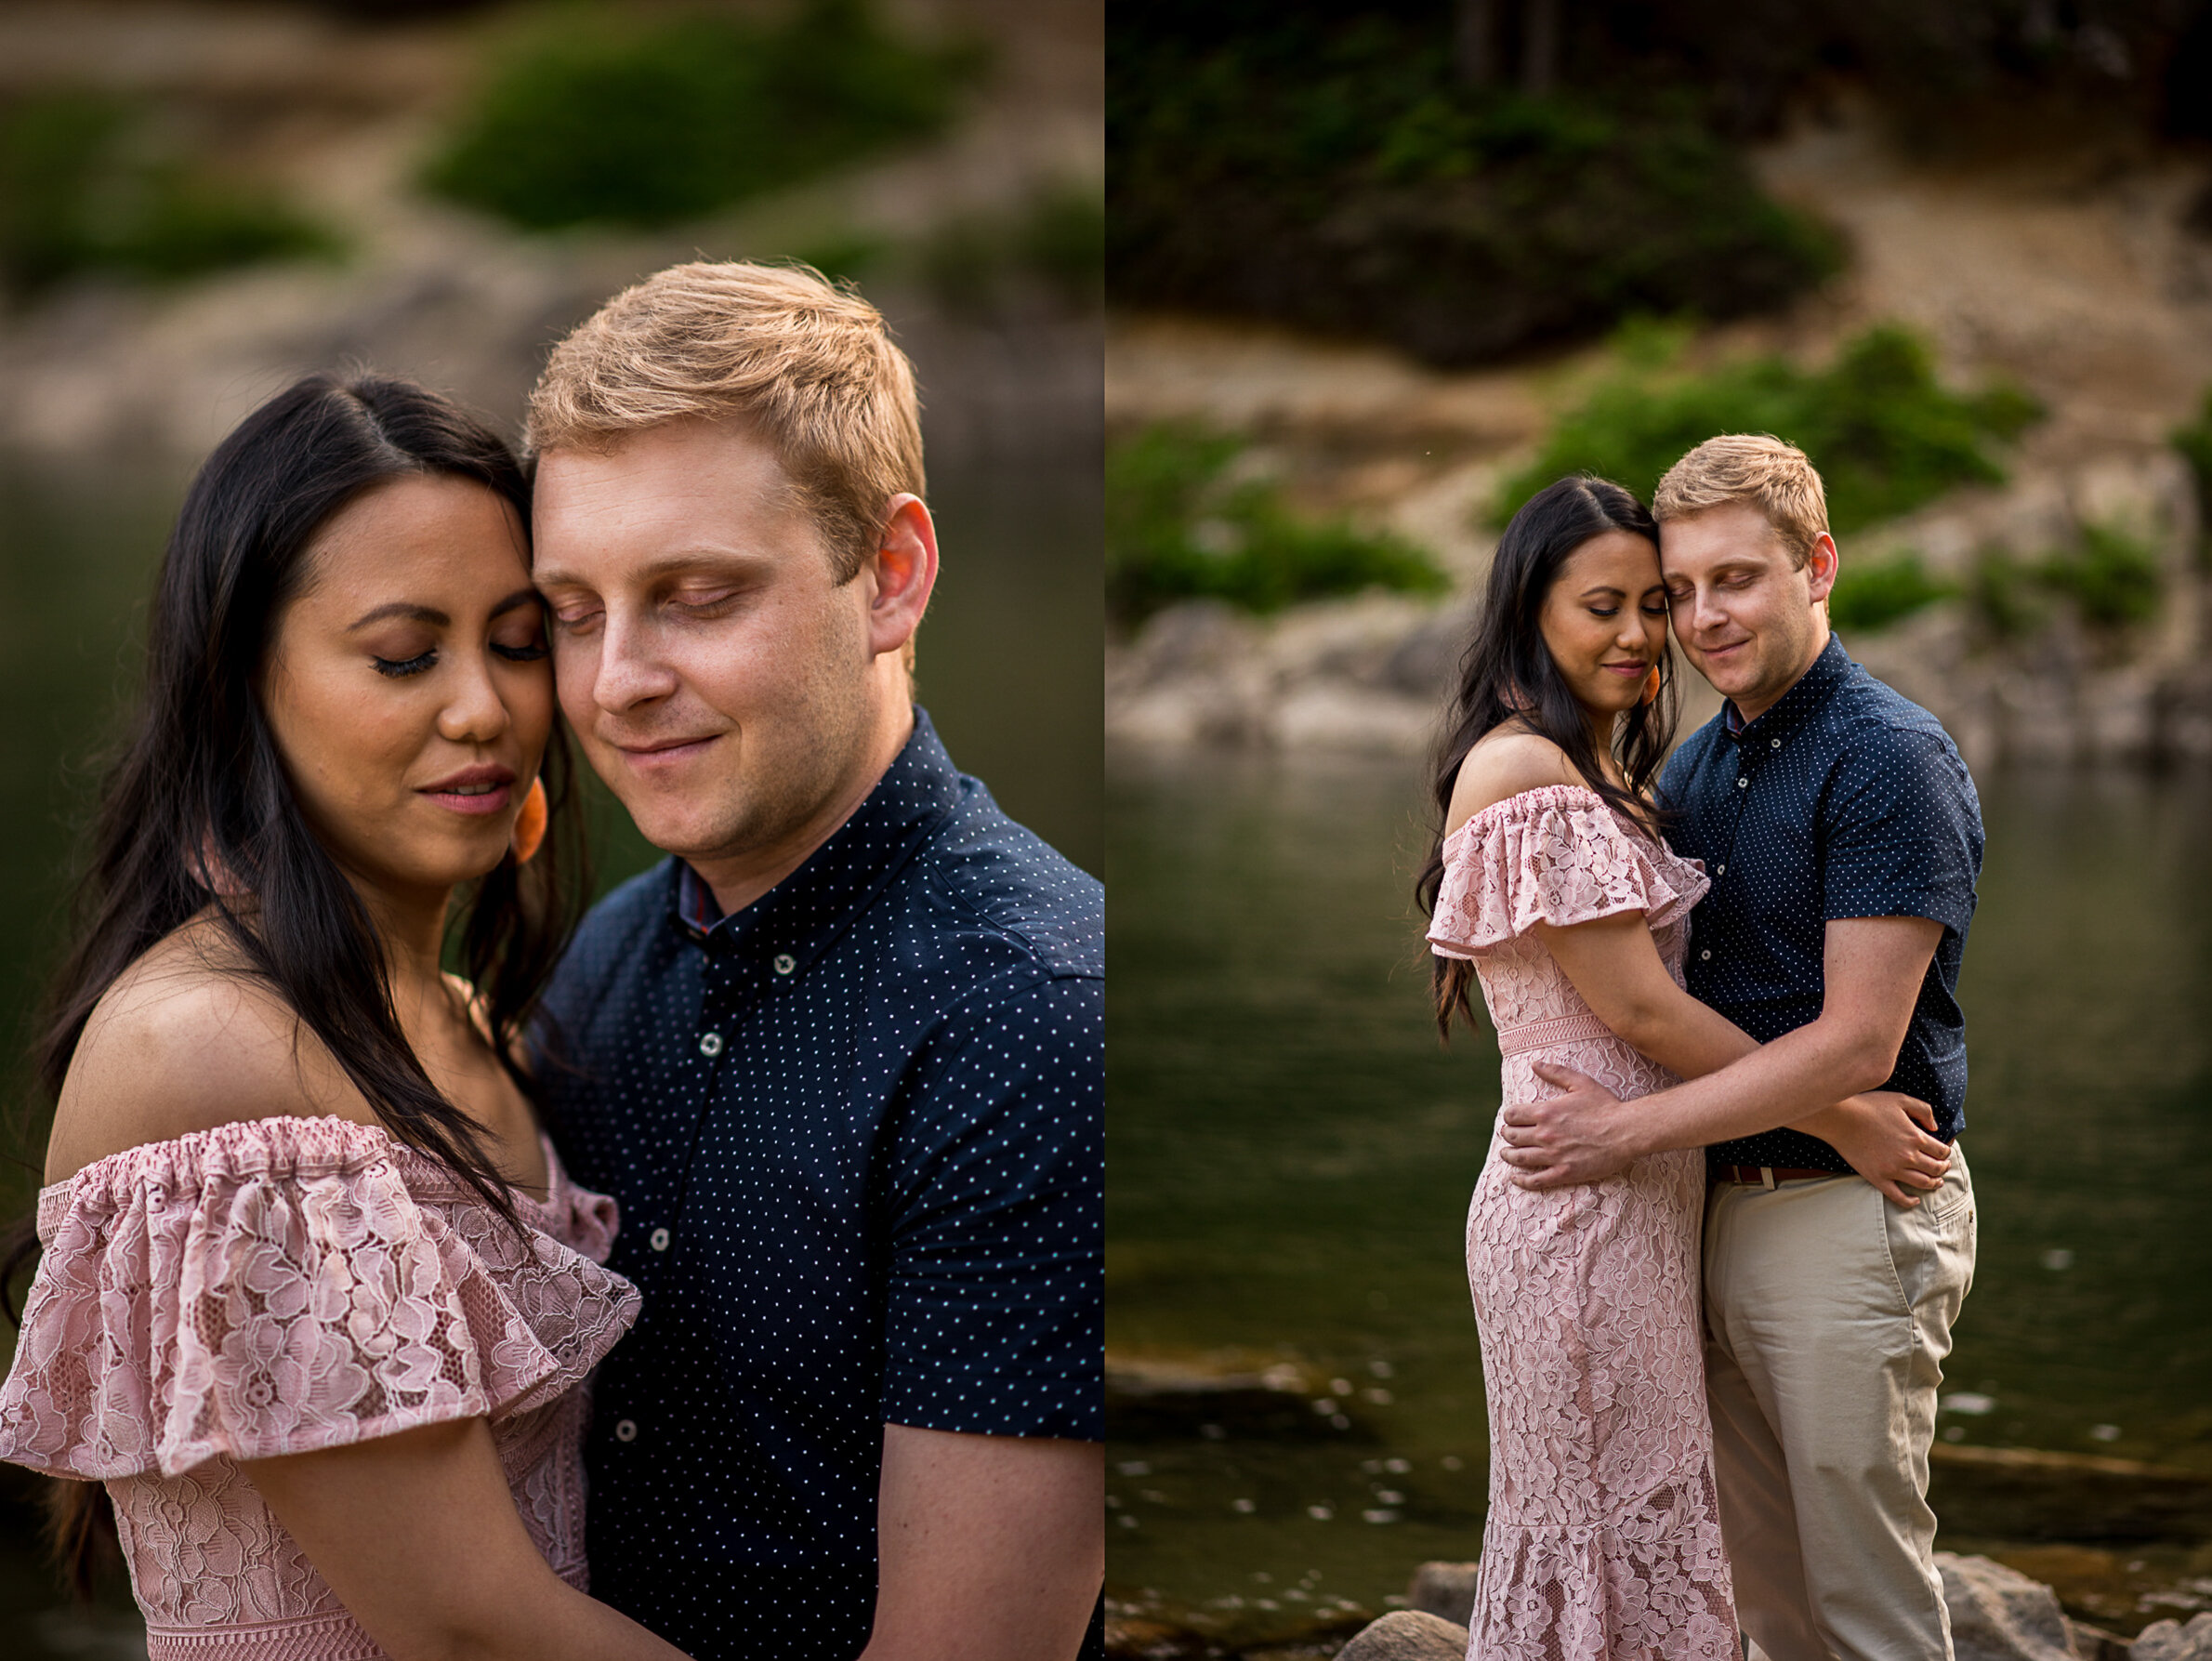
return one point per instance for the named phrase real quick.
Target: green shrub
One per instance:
(78, 194)
(2194, 442)
(1342, 178)
(1885, 435)
(975, 263)
(2112, 578)
(1874, 596)
(2004, 595)
(1180, 527)
(614, 119)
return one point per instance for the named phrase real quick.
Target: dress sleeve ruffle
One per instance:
(280, 1286)
(1553, 855)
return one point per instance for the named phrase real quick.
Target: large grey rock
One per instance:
(2170, 1641)
(1445, 1589)
(1999, 1614)
(1407, 1635)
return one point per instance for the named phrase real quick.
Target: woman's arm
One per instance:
(1614, 964)
(418, 1536)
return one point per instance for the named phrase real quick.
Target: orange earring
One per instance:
(1650, 685)
(530, 823)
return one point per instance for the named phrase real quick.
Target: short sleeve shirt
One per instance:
(855, 1130)
(1844, 799)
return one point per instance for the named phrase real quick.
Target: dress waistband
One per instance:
(311, 1638)
(1541, 1034)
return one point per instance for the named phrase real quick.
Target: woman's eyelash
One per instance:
(400, 669)
(520, 654)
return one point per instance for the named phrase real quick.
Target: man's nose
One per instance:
(630, 670)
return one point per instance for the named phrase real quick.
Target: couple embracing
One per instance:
(766, 1205)
(1724, 1229)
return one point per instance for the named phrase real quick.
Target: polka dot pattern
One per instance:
(856, 1131)
(1843, 800)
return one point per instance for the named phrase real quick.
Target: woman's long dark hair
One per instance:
(198, 814)
(1506, 674)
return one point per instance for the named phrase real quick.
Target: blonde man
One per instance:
(839, 1058)
(1843, 839)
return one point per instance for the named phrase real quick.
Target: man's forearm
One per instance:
(1796, 1077)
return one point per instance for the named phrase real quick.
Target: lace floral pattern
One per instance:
(1603, 1539)
(280, 1286)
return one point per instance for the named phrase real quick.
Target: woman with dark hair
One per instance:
(316, 1301)
(1550, 882)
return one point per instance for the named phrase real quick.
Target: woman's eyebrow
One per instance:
(399, 608)
(521, 596)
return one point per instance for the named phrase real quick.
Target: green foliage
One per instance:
(1180, 526)
(615, 119)
(1872, 597)
(2003, 594)
(2112, 578)
(2194, 442)
(1344, 179)
(1884, 434)
(975, 263)
(79, 193)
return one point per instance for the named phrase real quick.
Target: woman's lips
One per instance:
(475, 790)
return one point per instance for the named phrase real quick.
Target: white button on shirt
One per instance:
(710, 1044)
(785, 963)
(626, 1430)
(658, 1239)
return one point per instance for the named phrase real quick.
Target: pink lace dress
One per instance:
(279, 1285)
(1603, 1539)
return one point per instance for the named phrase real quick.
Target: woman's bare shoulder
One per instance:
(1506, 761)
(181, 1042)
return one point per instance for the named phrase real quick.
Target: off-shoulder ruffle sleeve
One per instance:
(278, 1286)
(1552, 855)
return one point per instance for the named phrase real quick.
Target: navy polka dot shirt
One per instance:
(856, 1133)
(1842, 800)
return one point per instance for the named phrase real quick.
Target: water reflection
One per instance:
(1292, 1152)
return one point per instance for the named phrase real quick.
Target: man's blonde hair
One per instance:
(778, 350)
(1774, 477)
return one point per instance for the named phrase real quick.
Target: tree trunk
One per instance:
(1540, 46)
(1474, 42)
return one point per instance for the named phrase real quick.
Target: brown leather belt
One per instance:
(1766, 1176)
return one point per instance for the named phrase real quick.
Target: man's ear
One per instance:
(902, 572)
(1821, 565)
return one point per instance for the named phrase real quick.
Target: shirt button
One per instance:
(1773, 744)
(1720, 870)
(785, 963)
(658, 1239)
(626, 1430)
(1741, 783)
(1705, 956)
(710, 1044)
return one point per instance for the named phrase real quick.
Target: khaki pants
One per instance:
(1828, 1314)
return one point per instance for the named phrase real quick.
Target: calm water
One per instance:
(1292, 1154)
(1009, 668)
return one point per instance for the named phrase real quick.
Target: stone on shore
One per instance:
(1407, 1635)
(2170, 1641)
(1999, 1614)
(1445, 1589)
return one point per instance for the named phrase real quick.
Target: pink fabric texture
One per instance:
(1603, 1539)
(280, 1286)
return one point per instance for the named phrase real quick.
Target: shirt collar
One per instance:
(795, 922)
(1798, 705)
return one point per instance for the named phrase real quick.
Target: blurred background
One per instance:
(199, 201)
(1375, 272)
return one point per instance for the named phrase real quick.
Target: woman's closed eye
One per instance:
(399, 669)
